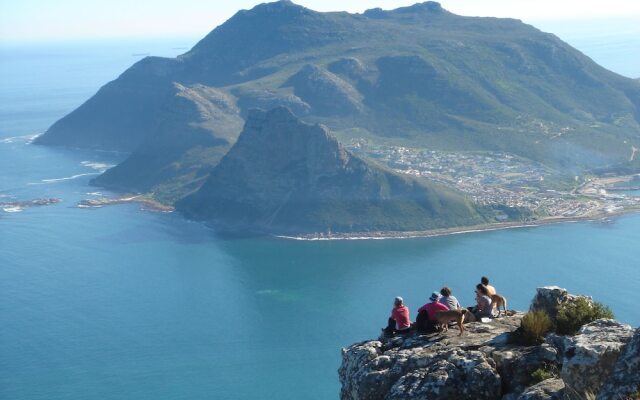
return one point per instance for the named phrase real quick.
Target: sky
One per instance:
(40, 20)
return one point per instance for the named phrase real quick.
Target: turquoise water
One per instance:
(119, 303)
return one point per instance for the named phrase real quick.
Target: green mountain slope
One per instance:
(417, 75)
(284, 176)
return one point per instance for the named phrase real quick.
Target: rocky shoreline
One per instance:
(17, 206)
(147, 203)
(602, 361)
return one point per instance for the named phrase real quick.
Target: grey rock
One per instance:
(268, 99)
(455, 374)
(515, 364)
(549, 389)
(550, 298)
(443, 366)
(624, 380)
(591, 354)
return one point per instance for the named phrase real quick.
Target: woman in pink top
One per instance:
(399, 322)
(426, 319)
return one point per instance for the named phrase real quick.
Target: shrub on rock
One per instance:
(573, 315)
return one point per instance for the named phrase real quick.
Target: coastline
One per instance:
(147, 203)
(382, 235)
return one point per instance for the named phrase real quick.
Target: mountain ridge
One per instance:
(418, 74)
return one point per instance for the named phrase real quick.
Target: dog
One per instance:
(497, 301)
(443, 318)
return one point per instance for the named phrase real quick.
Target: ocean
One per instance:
(122, 303)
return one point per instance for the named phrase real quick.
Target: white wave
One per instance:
(27, 139)
(88, 206)
(98, 166)
(95, 194)
(12, 209)
(67, 178)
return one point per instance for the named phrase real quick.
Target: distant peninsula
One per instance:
(457, 121)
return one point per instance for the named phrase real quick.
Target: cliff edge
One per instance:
(601, 361)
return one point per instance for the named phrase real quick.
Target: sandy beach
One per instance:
(381, 235)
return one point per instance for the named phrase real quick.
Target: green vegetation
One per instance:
(573, 315)
(541, 374)
(534, 325)
(419, 75)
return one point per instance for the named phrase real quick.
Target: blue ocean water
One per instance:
(119, 303)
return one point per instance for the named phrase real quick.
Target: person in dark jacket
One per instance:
(426, 319)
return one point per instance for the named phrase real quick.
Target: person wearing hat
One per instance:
(399, 322)
(426, 319)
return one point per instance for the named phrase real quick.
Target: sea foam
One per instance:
(26, 139)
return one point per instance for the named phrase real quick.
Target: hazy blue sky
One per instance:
(75, 19)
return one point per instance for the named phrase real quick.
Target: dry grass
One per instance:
(535, 324)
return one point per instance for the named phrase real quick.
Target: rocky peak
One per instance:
(418, 9)
(280, 8)
(286, 138)
(285, 176)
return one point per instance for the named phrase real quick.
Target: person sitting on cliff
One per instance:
(448, 299)
(485, 281)
(483, 308)
(399, 321)
(426, 319)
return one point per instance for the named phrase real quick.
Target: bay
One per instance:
(119, 303)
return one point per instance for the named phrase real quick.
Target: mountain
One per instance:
(417, 76)
(284, 176)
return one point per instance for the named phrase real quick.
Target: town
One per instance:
(501, 179)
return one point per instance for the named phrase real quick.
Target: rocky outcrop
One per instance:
(590, 355)
(551, 298)
(624, 380)
(268, 99)
(487, 363)
(429, 366)
(549, 389)
(327, 93)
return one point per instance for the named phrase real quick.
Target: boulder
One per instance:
(624, 380)
(591, 354)
(549, 389)
(515, 364)
(550, 298)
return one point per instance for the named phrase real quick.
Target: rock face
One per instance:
(549, 389)
(428, 366)
(325, 92)
(624, 380)
(550, 298)
(284, 176)
(603, 359)
(591, 354)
